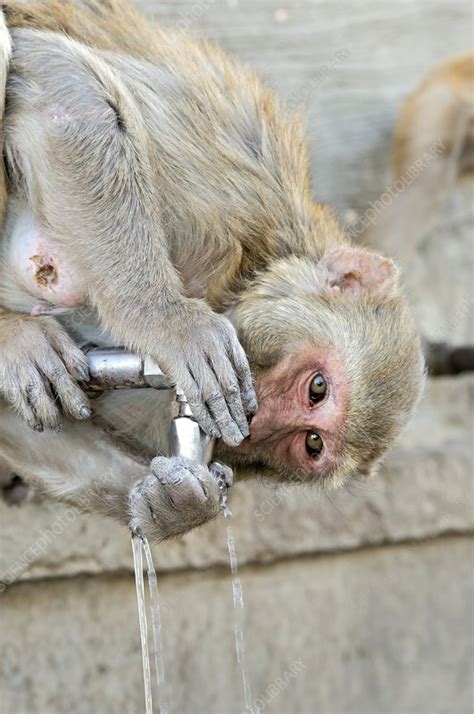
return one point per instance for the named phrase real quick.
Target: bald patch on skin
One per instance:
(286, 413)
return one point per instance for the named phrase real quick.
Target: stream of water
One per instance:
(239, 606)
(140, 545)
(156, 629)
(137, 546)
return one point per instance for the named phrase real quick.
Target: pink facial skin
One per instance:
(286, 413)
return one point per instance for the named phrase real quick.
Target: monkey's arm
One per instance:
(80, 465)
(89, 178)
(83, 467)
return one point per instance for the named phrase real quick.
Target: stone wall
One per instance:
(355, 604)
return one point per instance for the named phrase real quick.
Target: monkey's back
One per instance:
(230, 166)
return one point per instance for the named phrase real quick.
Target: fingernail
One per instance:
(212, 431)
(83, 374)
(85, 412)
(252, 401)
(59, 429)
(236, 437)
(244, 428)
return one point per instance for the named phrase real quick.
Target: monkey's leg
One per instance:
(84, 468)
(80, 466)
(89, 178)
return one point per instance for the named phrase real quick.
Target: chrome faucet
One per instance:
(116, 368)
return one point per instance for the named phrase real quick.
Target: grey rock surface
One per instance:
(385, 630)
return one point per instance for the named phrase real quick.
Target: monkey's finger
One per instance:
(219, 471)
(242, 368)
(42, 403)
(196, 402)
(213, 399)
(217, 405)
(72, 399)
(18, 400)
(74, 359)
(225, 376)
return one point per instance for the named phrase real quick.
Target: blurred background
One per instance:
(360, 602)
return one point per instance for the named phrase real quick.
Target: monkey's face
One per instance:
(337, 364)
(303, 403)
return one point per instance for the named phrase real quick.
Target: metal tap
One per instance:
(186, 437)
(117, 368)
(112, 368)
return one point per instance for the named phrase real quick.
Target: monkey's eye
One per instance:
(317, 389)
(314, 444)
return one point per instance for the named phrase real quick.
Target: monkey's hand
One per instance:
(179, 495)
(39, 366)
(203, 355)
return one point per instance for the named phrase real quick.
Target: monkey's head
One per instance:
(337, 362)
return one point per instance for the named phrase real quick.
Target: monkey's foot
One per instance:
(176, 497)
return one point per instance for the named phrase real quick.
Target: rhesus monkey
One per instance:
(433, 147)
(159, 197)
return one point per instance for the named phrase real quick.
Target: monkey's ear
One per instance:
(354, 270)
